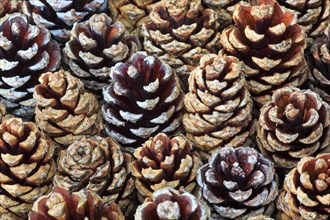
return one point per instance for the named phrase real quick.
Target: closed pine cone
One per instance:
(168, 203)
(295, 124)
(238, 183)
(306, 193)
(276, 58)
(98, 164)
(64, 110)
(164, 162)
(26, 52)
(27, 167)
(218, 105)
(61, 204)
(95, 46)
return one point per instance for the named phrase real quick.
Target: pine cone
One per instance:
(218, 104)
(64, 110)
(97, 164)
(96, 46)
(2, 112)
(180, 33)
(306, 194)
(295, 124)
(61, 204)
(59, 16)
(27, 52)
(132, 13)
(26, 167)
(10, 6)
(144, 100)
(276, 58)
(238, 183)
(260, 217)
(169, 203)
(319, 65)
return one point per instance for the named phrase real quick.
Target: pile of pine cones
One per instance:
(164, 109)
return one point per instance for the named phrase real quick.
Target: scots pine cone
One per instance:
(271, 46)
(95, 46)
(26, 167)
(238, 183)
(168, 203)
(163, 162)
(10, 6)
(26, 52)
(180, 33)
(319, 66)
(306, 193)
(97, 164)
(143, 100)
(61, 204)
(218, 105)
(64, 110)
(59, 16)
(295, 124)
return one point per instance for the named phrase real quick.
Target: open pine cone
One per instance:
(218, 105)
(61, 204)
(59, 16)
(143, 100)
(10, 6)
(64, 110)
(295, 124)
(26, 167)
(26, 52)
(271, 46)
(319, 65)
(180, 33)
(238, 183)
(95, 46)
(163, 162)
(306, 194)
(98, 164)
(168, 203)
(2, 112)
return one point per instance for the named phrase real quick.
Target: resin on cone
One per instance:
(270, 45)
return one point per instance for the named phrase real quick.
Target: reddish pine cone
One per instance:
(97, 164)
(64, 110)
(218, 105)
(10, 6)
(306, 193)
(295, 124)
(164, 162)
(59, 16)
(61, 204)
(168, 203)
(27, 167)
(26, 52)
(319, 66)
(143, 100)
(238, 183)
(95, 46)
(276, 58)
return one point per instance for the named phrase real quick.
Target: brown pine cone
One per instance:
(61, 204)
(143, 100)
(26, 167)
(2, 112)
(10, 6)
(59, 16)
(238, 183)
(95, 46)
(319, 66)
(271, 46)
(132, 13)
(218, 105)
(180, 33)
(295, 124)
(97, 164)
(164, 162)
(64, 110)
(306, 194)
(26, 53)
(168, 203)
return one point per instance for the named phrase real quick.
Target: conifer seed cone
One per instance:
(10, 6)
